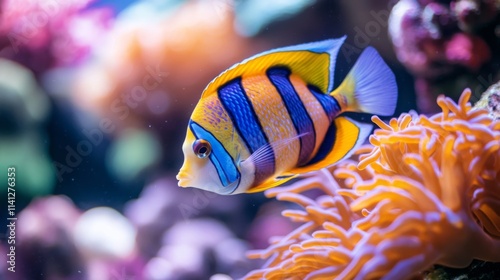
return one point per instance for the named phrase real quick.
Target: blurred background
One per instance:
(95, 97)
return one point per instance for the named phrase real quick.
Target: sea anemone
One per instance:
(427, 192)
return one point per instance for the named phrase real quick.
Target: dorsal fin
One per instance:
(313, 62)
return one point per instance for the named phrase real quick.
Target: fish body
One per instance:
(276, 115)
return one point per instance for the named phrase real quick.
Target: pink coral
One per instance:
(44, 34)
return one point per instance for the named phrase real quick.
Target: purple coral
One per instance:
(44, 242)
(428, 41)
(442, 41)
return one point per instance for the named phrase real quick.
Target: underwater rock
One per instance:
(490, 100)
(108, 241)
(104, 232)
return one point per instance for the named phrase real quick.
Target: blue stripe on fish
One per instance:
(279, 77)
(327, 144)
(330, 105)
(239, 108)
(222, 160)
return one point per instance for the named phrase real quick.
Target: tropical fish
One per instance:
(275, 116)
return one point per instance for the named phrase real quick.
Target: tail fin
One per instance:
(370, 86)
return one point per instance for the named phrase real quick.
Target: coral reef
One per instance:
(178, 236)
(490, 100)
(45, 34)
(24, 109)
(447, 45)
(166, 233)
(148, 74)
(95, 96)
(44, 246)
(428, 192)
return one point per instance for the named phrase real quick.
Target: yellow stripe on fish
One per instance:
(276, 115)
(318, 114)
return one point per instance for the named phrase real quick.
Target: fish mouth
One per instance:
(184, 179)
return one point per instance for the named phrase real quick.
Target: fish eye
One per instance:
(202, 148)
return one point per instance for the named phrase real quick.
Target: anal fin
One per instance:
(271, 183)
(343, 137)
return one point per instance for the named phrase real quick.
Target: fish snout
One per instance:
(184, 178)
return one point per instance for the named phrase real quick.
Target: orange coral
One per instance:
(428, 192)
